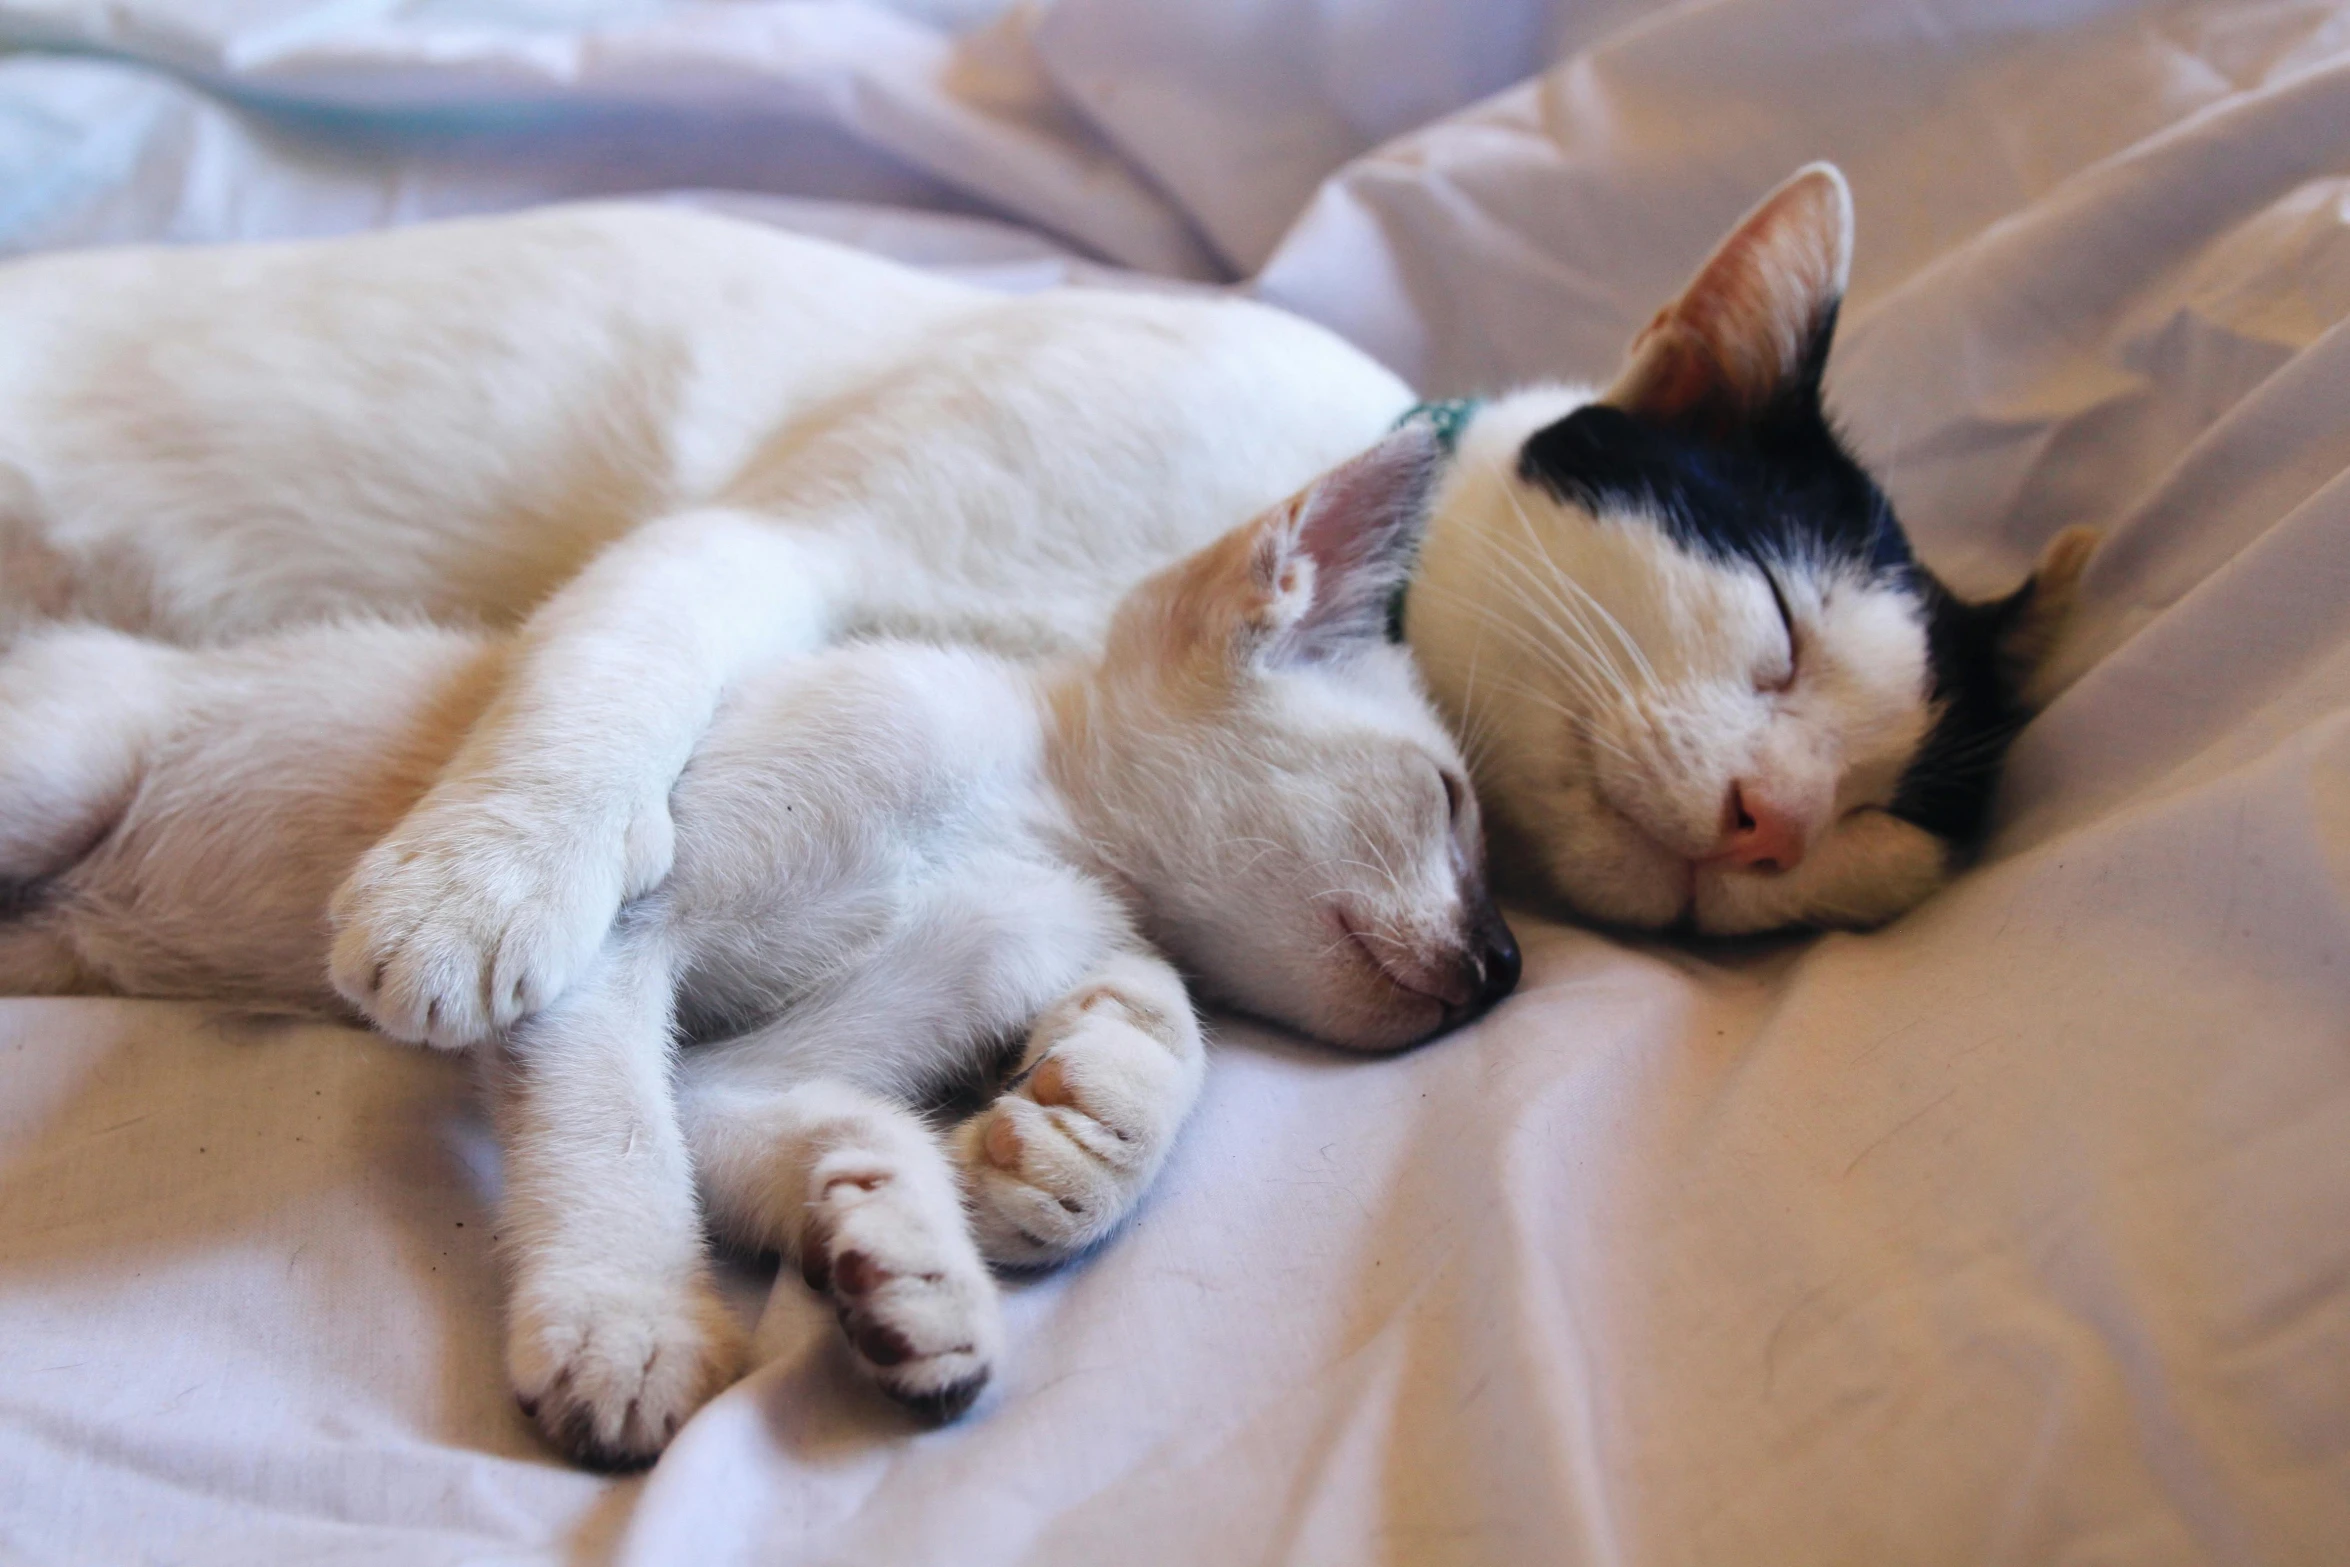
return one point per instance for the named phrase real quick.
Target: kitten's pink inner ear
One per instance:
(1720, 352)
(1331, 557)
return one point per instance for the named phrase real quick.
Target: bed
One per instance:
(2016, 1232)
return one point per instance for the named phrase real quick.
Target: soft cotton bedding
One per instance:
(2019, 1231)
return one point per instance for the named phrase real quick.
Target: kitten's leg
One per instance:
(481, 905)
(614, 1331)
(79, 708)
(859, 1190)
(1107, 1078)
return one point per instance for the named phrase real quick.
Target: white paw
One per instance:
(915, 1301)
(609, 1375)
(1055, 1162)
(473, 913)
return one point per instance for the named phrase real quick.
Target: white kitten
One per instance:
(889, 858)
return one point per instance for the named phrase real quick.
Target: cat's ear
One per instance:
(1753, 327)
(1325, 566)
(2029, 620)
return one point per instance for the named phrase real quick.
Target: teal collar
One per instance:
(1450, 416)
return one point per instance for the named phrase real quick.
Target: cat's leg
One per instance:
(79, 709)
(859, 1190)
(1107, 1077)
(481, 905)
(614, 1333)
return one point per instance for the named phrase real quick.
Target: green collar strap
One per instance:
(1450, 416)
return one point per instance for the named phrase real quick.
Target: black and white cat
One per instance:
(1704, 682)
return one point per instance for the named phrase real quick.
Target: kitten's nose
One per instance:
(1758, 834)
(1497, 960)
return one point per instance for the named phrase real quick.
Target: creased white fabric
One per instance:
(2019, 1232)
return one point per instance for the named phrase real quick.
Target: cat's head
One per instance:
(1703, 680)
(1262, 765)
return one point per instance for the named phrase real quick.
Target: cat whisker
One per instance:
(1579, 723)
(1477, 730)
(1560, 578)
(1578, 677)
(1566, 579)
(1386, 868)
(1582, 678)
(1569, 627)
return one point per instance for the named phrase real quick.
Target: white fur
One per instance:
(886, 859)
(774, 444)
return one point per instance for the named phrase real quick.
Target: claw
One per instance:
(946, 1403)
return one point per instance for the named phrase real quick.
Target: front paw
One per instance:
(914, 1300)
(1058, 1160)
(611, 1373)
(474, 913)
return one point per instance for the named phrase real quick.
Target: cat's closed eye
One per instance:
(1456, 795)
(1775, 678)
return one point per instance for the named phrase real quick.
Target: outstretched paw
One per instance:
(915, 1301)
(474, 913)
(610, 1376)
(1064, 1154)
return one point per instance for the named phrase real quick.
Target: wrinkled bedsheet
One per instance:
(2018, 1232)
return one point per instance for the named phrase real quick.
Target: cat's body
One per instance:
(895, 863)
(450, 421)
(673, 446)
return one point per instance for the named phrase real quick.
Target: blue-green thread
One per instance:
(1450, 415)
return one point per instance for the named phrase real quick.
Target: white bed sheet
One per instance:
(2019, 1232)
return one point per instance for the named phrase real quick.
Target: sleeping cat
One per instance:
(1703, 682)
(890, 858)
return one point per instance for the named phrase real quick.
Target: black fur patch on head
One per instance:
(1778, 486)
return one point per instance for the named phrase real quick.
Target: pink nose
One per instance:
(1757, 834)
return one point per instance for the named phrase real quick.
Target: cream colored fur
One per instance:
(887, 858)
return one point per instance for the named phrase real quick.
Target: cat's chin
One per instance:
(1601, 865)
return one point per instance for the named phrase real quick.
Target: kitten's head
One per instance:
(1262, 764)
(1703, 679)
